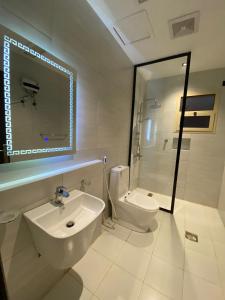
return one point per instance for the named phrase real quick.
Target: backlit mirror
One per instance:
(37, 102)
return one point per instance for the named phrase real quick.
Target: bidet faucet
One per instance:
(61, 192)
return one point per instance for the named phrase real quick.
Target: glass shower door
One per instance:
(156, 130)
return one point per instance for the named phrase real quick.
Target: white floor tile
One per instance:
(196, 288)
(220, 251)
(119, 231)
(195, 212)
(202, 266)
(218, 234)
(173, 230)
(108, 245)
(221, 267)
(134, 260)
(165, 278)
(203, 246)
(147, 293)
(169, 251)
(91, 269)
(118, 285)
(200, 229)
(212, 216)
(68, 289)
(145, 241)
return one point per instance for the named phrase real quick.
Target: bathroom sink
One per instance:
(63, 233)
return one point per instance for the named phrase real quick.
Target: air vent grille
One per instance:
(184, 25)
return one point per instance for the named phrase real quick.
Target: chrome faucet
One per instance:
(61, 192)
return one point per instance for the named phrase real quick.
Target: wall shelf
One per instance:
(15, 178)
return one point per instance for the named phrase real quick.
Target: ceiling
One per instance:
(207, 44)
(172, 67)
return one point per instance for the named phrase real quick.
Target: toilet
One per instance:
(134, 210)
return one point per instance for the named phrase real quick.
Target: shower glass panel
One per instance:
(159, 87)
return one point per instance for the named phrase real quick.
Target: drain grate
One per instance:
(191, 236)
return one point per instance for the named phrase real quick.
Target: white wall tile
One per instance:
(200, 176)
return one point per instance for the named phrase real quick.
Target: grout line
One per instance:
(160, 292)
(105, 275)
(202, 278)
(182, 292)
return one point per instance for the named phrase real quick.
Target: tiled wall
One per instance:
(71, 31)
(28, 276)
(221, 204)
(201, 167)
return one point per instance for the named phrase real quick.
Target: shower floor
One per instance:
(163, 200)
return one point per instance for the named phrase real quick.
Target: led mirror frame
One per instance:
(7, 98)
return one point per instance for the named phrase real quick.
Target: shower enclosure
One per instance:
(159, 101)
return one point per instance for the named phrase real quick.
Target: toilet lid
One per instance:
(143, 201)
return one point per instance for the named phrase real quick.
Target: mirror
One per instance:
(37, 102)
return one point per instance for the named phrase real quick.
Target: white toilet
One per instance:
(133, 209)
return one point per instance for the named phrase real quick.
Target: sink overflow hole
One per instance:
(191, 236)
(70, 224)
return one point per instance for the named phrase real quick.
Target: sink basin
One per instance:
(63, 234)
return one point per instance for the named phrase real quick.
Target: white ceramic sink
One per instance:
(60, 245)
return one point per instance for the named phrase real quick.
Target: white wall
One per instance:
(221, 203)
(71, 31)
(201, 167)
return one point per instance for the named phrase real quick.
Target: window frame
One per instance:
(213, 114)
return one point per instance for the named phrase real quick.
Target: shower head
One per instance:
(153, 103)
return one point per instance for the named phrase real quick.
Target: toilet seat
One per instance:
(142, 201)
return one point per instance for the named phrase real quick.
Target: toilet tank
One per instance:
(119, 182)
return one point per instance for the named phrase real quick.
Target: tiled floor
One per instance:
(160, 265)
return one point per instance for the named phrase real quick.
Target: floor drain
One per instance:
(150, 194)
(70, 224)
(191, 236)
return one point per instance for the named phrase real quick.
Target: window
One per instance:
(200, 113)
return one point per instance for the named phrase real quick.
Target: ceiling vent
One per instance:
(134, 28)
(184, 25)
